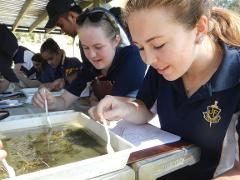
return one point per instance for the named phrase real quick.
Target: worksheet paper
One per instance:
(143, 136)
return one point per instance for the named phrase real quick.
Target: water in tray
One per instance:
(39, 149)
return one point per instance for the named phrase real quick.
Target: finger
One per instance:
(104, 105)
(3, 154)
(113, 115)
(38, 101)
(46, 94)
(40, 97)
(49, 96)
(43, 92)
(94, 114)
(91, 112)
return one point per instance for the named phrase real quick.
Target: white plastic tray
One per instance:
(84, 169)
(31, 91)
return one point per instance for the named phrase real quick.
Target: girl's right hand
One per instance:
(110, 108)
(39, 97)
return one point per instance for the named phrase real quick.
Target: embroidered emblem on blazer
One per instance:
(212, 115)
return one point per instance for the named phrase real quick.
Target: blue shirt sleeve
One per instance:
(47, 75)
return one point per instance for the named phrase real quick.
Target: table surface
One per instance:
(82, 105)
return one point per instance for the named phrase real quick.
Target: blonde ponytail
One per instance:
(224, 25)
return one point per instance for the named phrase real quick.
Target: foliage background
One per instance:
(33, 41)
(229, 4)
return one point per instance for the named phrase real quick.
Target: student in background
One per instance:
(42, 71)
(21, 55)
(116, 70)
(64, 13)
(60, 63)
(193, 52)
(8, 48)
(23, 62)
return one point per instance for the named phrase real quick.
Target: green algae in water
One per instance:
(40, 150)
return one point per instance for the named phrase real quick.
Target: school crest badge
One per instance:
(212, 115)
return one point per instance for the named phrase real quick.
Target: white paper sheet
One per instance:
(143, 136)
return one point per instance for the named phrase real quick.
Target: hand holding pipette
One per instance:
(53, 102)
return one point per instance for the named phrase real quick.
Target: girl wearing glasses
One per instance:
(193, 80)
(112, 68)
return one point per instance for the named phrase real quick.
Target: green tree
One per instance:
(229, 4)
(235, 6)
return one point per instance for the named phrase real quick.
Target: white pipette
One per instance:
(46, 109)
(9, 169)
(108, 145)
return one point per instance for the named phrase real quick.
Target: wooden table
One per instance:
(158, 161)
(126, 173)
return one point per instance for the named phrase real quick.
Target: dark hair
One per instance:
(76, 9)
(118, 13)
(50, 45)
(224, 25)
(38, 58)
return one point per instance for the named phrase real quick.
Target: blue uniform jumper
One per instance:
(47, 75)
(66, 67)
(19, 58)
(126, 73)
(187, 116)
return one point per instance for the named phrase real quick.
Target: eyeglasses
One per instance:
(96, 16)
